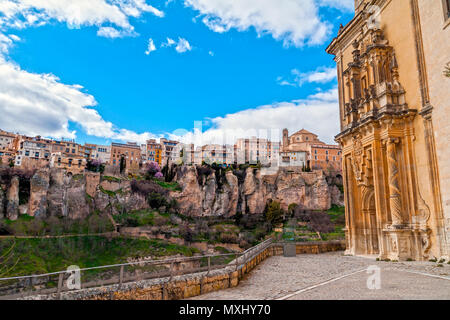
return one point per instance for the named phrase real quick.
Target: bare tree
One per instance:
(7, 262)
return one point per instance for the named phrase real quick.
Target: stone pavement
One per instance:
(335, 276)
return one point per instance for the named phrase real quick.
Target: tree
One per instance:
(447, 70)
(122, 164)
(7, 261)
(274, 213)
(153, 169)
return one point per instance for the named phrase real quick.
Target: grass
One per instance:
(172, 186)
(111, 194)
(37, 256)
(136, 218)
(29, 226)
(111, 179)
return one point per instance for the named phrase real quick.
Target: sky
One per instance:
(194, 70)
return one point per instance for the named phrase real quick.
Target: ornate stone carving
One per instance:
(395, 200)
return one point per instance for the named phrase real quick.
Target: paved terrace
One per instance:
(335, 276)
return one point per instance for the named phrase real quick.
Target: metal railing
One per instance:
(54, 282)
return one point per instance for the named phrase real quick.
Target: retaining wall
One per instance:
(186, 286)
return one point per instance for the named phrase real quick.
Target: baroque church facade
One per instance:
(394, 106)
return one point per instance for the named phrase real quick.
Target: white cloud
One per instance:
(345, 5)
(110, 32)
(320, 75)
(151, 47)
(169, 43)
(295, 22)
(211, 53)
(6, 42)
(39, 104)
(24, 13)
(183, 45)
(318, 113)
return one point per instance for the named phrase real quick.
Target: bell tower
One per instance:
(285, 138)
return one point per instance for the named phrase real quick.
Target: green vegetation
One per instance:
(110, 193)
(111, 179)
(37, 256)
(136, 218)
(29, 226)
(173, 186)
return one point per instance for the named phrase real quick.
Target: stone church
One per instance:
(394, 99)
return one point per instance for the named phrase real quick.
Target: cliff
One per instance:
(204, 192)
(207, 192)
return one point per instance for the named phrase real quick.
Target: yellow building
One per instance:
(394, 106)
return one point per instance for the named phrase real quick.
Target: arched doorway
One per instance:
(370, 221)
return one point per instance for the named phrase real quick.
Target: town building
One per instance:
(169, 151)
(99, 152)
(319, 155)
(252, 151)
(73, 164)
(153, 151)
(293, 159)
(218, 154)
(126, 156)
(8, 147)
(33, 153)
(394, 128)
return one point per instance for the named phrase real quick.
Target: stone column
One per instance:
(395, 200)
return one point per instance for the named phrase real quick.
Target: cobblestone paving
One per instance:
(280, 277)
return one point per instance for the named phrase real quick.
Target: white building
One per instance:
(33, 148)
(219, 154)
(100, 152)
(292, 159)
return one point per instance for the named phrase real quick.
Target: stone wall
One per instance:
(186, 286)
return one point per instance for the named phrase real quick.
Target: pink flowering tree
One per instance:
(154, 170)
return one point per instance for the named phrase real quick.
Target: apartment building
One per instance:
(253, 150)
(128, 154)
(169, 151)
(324, 157)
(8, 143)
(33, 152)
(153, 151)
(219, 154)
(73, 164)
(99, 152)
(293, 159)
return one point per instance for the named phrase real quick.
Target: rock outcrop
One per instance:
(205, 192)
(39, 185)
(12, 199)
(249, 191)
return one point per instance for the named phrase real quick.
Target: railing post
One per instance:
(121, 277)
(209, 264)
(171, 271)
(60, 284)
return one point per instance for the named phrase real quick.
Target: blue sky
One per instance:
(232, 71)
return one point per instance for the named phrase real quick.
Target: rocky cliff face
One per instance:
(205, 192)
(248, 191)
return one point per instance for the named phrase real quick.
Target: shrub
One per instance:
(229, 238)
(274, 213)
(95, 166)
(186, 233)
(316, 221)
(157, 200)
(152, 169)
(145, 188)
